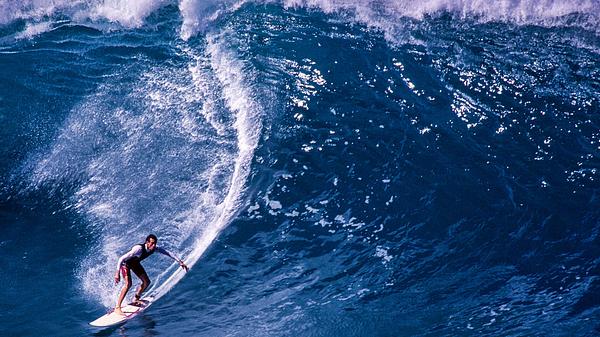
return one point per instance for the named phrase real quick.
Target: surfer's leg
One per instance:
(127, 279)
(141, 273)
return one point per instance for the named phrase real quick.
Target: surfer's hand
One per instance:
(182, 265)
(117, 278)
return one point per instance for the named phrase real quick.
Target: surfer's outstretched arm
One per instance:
(171, 255)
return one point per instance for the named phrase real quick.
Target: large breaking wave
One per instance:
(169, 155)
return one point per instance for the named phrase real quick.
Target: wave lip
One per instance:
(231, 75)
(390, 17)
(197, 15)
(129, 14)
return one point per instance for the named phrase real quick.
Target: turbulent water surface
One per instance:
(327, 168)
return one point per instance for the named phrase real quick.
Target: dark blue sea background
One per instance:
(326, 168)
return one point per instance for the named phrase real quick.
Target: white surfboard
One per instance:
(130, 310)
(153, 294)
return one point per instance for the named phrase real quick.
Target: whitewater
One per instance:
(326, 168)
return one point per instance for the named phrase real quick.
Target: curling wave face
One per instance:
(167, 155)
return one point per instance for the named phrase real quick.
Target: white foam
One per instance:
(27, 9)
(34, 29)
(386, 16)
(197, 15)
(382, 252)
(274, 204)
(128, 13)
(371, 11)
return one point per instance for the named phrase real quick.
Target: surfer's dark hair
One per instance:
(151, 236)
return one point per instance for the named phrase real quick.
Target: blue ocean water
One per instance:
(327, 168)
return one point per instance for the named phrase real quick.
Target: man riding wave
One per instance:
(131, 261)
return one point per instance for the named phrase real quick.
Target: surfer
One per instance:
(131, 261)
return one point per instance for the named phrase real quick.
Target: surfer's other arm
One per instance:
(135, 251)
(169, 254)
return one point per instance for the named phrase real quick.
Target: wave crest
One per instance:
(197, 15)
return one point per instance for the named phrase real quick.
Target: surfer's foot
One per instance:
(119, 312)
(136, 298)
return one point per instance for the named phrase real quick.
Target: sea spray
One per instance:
(245, 106)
